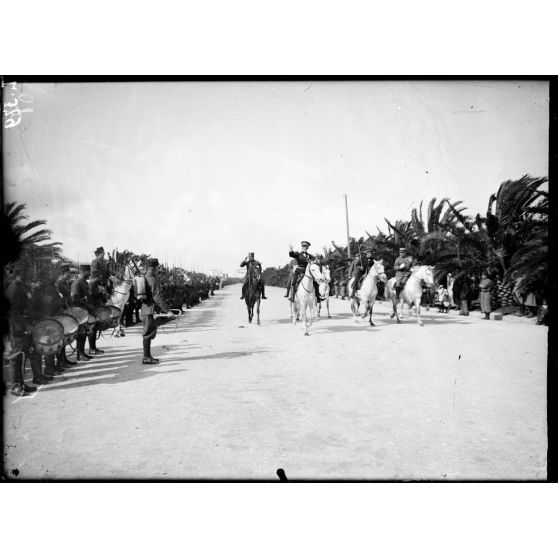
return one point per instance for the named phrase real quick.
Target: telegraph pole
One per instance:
(347, 219)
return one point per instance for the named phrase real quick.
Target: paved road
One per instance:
(460, 398)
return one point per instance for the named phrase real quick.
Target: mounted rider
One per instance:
(359, 268)
(99, 282)
(402, 268)
(253, 267)
(303, 258)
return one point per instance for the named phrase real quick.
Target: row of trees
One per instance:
(510, 240)
(30, 241)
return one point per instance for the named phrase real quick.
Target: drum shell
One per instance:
(48, 343)
(103, 315)
(81, 315)
(70, 325)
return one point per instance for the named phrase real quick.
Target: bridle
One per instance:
(311, 276)
(421, 281)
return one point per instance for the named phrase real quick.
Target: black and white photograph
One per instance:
(266, 280)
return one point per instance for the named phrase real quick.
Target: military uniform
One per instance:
(46, 303)
(402, 268)
(81, 296)
(155, 301)
(21, 340)
(65, 294)
(99, 281)
(254, 267)
(302, 261)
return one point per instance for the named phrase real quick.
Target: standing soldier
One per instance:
(62, 286)
(302, 259)
(20, 336)
(153, 301)
(252, 265)
(45, 304)
(402, 268)
(81, 296)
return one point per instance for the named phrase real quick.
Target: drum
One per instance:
(103, 315)
(48, 336)
(114, 316)
(70, 325)
(81, 315)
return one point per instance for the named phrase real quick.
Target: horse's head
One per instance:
(379, 270)
(315, 272)
(426, 274)
(326, 273)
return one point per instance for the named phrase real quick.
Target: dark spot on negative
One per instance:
(15, 472)
(281, 475)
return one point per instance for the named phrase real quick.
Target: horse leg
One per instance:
(319, 308)
(305, 318)
(327, 304)
(417, 304)
(354, 309)
(371, 307)
(258, 310)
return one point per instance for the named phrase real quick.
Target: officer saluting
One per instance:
(152, 300)
(302, 259)
(252, 265)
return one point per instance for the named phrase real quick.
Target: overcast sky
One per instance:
(199, 174)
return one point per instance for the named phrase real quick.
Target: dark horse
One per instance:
(253, 295)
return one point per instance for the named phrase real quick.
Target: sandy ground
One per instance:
(459, 398)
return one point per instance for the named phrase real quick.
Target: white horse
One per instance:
(412, 292)
(121, 293)
(368, 291)
(327, 277)
(305, 297)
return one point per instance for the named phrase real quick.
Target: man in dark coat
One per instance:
(81, 296)
(21, 340)
(402, 268)
(359, 268)
(252, 265)
(303, 258)
(99, 283)
(154, 301)
(62, 286)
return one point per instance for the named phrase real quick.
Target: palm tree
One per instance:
(31, 238)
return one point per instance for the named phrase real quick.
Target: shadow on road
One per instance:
(126, 366)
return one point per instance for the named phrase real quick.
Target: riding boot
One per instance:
(147, 358)
(37, 369)
(17, 381)
(288, 291)
(80, 342)
(92, 338)
(263, 291)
